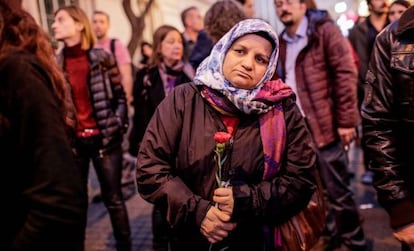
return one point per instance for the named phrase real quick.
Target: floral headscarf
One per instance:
(210, 71)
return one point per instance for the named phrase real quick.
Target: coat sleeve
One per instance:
(343, 74)
(53, 193)
(289, 192)
(380, 123)
(157, 177)
(114, 74)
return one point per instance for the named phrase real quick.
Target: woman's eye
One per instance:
(239, 51)
(261, 60)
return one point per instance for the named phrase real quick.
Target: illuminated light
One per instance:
(340, 7)
(363, 9)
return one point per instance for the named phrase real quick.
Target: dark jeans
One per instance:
(405, 247)
(160, 229)
(108, 167)
(343, 223)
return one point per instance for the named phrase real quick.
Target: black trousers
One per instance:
(108, 167)
(343, 223)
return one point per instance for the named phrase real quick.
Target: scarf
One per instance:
(263, 99)
(272, 123)
(210, 71)
(169, 75)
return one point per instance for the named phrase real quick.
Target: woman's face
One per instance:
(396, 10)
(246, 61)
(65, 27)
(248, 8)
(172, 48)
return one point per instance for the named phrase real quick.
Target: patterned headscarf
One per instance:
(210, 71)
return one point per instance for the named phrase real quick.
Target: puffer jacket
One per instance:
(326, 78)
(388, 118)
(107, 96)
(175, 168)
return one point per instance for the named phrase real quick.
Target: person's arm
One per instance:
(124, 63)
(54, 193)
(126, 73)
(121, 111)
(290, 191)
(380, 125)
(157, 178)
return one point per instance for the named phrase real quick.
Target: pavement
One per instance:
(99, 235)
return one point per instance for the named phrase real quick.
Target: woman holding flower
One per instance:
(229, 156)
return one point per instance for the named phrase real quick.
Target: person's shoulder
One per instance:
(359, 28)
(96, 51)
(20, 64)
(23, 69)
(18, 58)
(118, 43)
(186, 89)
(101, 55)
(186, 92)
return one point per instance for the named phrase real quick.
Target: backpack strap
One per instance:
(113, 46)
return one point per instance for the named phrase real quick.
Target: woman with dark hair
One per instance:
(166, 70)
(229, 157)
(397, 8)
(146, 53)
(44, 200)
(101, 112)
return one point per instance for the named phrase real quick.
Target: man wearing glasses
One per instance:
(316, 61)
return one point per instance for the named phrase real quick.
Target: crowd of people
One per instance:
(229, 126)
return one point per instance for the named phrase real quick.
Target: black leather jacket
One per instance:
(388, 118)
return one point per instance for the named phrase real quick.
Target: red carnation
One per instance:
(222, 137)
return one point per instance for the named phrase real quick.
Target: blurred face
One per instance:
(172, 48)
(147, 50)
(66, 28)
(290, 12)
(379, 7)
(248, 8)
(396, 10)
(246, 61)
(100, 25)
(194, 21)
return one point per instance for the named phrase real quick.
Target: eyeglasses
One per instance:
(279, 4)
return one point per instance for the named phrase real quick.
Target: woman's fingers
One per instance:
(224, 198)
(215, 226)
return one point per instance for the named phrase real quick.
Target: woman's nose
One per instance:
(247, 63)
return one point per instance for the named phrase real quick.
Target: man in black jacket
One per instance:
(388, 121)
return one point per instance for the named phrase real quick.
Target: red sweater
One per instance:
(77, 69)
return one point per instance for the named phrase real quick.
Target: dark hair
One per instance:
(20, 32)
(221, 17)
(184, 14)
(145, 58)
(241, 1)
(404, 3)
(158, 37)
